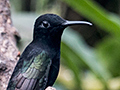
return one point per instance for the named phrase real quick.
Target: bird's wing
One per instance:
(33, 75)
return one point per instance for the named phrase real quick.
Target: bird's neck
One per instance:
(51, 42)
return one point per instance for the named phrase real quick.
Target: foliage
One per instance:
(105, 62)
(105, 20)
(78, 56)
(108, 52)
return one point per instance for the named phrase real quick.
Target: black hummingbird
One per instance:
(38, 65)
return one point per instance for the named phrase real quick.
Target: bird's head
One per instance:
(52, 26)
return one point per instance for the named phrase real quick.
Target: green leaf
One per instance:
(108, 52)
(94, 12)
(73, 47)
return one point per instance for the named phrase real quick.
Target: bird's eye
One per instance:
(45, 24)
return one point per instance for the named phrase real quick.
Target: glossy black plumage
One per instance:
(38, 65)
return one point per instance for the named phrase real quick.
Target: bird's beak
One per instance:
(69, 23)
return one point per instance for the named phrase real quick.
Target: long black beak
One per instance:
(69, 23)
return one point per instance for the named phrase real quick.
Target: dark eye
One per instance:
(45, 24)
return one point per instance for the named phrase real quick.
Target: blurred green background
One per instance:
(90, 55)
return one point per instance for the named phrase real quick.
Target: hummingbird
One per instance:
(38, 66)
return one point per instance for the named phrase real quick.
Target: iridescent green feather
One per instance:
(38, 66)
(37, 69)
